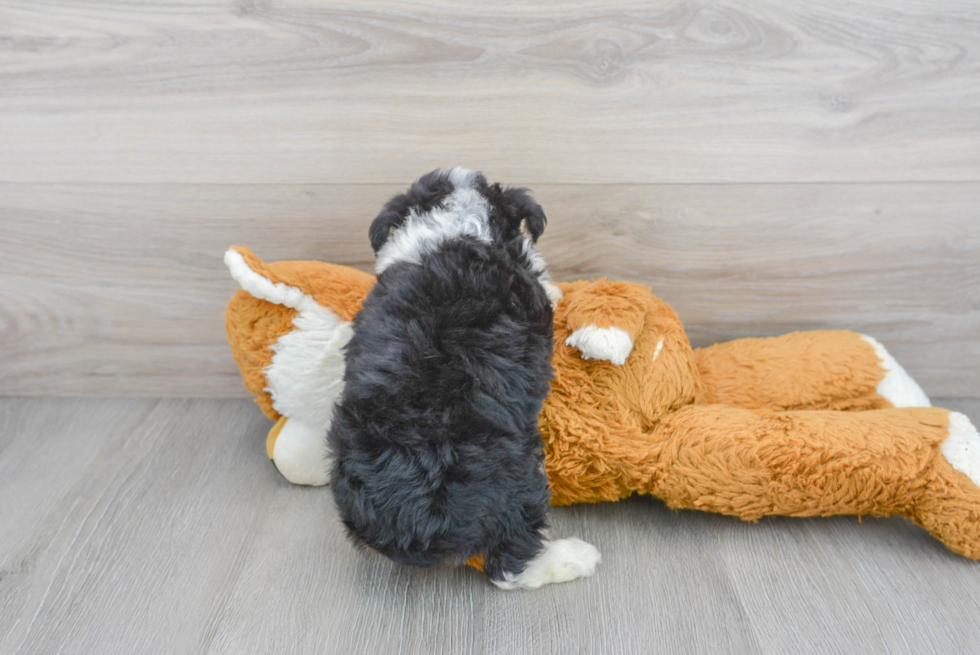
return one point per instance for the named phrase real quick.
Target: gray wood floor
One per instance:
(158, 526)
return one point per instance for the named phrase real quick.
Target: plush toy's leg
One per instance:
(601, 319)
(921, 463)
(824, 369)
(270, 441)
(897, 386)
(299, 452)
(949, 507)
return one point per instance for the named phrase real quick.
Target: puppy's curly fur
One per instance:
(435, 439)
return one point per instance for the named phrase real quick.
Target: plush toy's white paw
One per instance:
(300, 454)
(897, 386)
(611, 344)
(962, 447)
(559, 561)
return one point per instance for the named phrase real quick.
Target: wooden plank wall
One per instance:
(764, 165)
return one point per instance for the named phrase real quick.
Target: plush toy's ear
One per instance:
(522, 212)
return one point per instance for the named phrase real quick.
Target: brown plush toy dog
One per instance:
(806, 424)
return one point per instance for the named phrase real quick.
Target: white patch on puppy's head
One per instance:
(449, 204)
(442, 205)
(462, 178)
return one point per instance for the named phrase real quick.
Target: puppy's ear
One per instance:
(522, 208)
(424, 194)
(390, 218)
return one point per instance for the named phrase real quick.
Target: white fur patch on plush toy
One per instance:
(307, 371)
(611, 344)
(962, 447)
(306, 375)
(560, 561)
(300, 453)
(897, 386)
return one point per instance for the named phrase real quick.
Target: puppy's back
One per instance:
(435, 438)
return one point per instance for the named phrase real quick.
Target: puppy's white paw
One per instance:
(897, 386)
(611, 344)
(559, 561)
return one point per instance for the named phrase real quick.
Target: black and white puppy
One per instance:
(437, 454)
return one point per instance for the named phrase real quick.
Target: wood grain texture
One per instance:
(119, 289)
(571, 91)
(765, 166)
(159, 526)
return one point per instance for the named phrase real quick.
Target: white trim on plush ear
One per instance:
(262, 287)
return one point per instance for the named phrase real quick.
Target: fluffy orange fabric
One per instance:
(755, 463)
(595, 418)
(749, 428)
(253, 326)
(604, 304)
(827, 369)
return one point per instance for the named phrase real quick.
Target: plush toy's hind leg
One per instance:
(824, 369)
(299, 452)
(897, 386)
(949, 507)
(920, 463)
